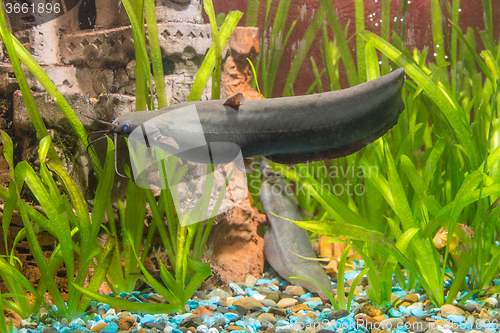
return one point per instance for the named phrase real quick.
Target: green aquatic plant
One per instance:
(341, 304)
(67, 219)
(438, 167)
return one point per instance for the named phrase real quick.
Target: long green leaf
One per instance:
(128, 305)
(443, 99)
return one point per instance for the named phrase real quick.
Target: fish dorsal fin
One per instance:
(235, 100)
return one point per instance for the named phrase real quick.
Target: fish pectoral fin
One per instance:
(235, 100)
(167, 140)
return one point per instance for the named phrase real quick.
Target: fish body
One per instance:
(286, 245)
(286, 130)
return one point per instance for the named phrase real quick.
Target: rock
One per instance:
(268, 303)
(125, 321)
(236, 328)
(277, 312)
(192, 320)
(416, 305)
(286, 302)
(202, 311)
(250, 281)
(448, 309)
(411, 298)
(12, 316)
(490, 302)
(274, 297)
(469, 307)
(98, 327)
(299, 307)
(248, 302)
(391, 323)
(337, 314)
(295, 290)
(268, 317)
(366, 321)
(371, 310)
(484, 314)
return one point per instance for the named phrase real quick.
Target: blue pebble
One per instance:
(237, 289)
(456, 319)
(136, 293)
(399, 330)
(263, 281)
(252, 292)
(123, 295)
(110, 318)
(175, 330)
(173, 325)
(178, 318)
(193, 305)
(111, 328)
(209, 320)
(282, 322)
(232, 307)
(404, 310)
(239, 331)
(306, 296)
(230, 315)
(252, 324)
(313, 304)
(324, 315)
(104, 306)
(347, 322)
(214, 299)
(395, 313)
(351, 275)
(400, 293)
(417, 312)
(65, 330)
(146, 296)
(240, 323)
(273, 287)
(293, 319)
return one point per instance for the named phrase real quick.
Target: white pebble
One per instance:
(491, 302)
(168, 329)
(259, 297)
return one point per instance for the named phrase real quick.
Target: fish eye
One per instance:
(125, 127)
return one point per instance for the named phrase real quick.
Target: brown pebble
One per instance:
(236, 328)
(412, 298)
(12, 317)
(405, 303)
(299, 307)
(452, 309)
(248, 303)
(295, 290)
(379, 318)
(311, 315)
(267, 316)
(366, 321)
(314, 299)
(286, 302)
(125, 322)
(202, 311)
(484, 314)
(371, 310)
(98, 327)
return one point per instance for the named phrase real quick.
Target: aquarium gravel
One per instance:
(272, 305)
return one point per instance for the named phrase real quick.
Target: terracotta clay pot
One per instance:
(419, 33)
